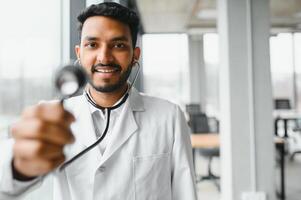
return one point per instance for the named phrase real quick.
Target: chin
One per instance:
(107, 88)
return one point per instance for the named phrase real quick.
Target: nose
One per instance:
(104, 55)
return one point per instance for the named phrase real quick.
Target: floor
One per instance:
(207, 190)
(293, 178)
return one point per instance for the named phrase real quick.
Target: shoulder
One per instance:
(161, 108)
(74, 103)
(74, 99)
(159, 104)
(161, 114)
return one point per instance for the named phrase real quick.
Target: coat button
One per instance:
(102, 169)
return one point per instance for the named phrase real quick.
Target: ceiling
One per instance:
(170, 16)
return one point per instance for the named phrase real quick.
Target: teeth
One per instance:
(105, 70)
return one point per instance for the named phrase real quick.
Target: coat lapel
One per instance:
(83, 128)
(87, 132)
(125, 125)
(84, 133)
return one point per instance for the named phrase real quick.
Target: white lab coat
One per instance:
(148, 156)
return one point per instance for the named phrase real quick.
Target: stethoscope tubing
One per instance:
(108, 113)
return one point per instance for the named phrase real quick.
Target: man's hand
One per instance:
(40, 136)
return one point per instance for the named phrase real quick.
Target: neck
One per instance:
(107, 99)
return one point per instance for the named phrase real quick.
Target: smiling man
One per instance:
(144, 152)
(107, 51)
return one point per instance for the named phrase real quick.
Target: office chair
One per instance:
(294, 140)
(199, 124)
(282, 104)
(193, 108)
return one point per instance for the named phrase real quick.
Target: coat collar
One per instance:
(135, 99)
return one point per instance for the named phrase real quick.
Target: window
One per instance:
(285, 49)
(211, 59)
(30, 51)
(165, 66)
(282, 70)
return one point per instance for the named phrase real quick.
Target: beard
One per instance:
(114, 86)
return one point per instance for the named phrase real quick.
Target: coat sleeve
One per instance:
(183, 176)
(9, 187)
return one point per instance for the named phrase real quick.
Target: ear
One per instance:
(77, 51)
(137, 52)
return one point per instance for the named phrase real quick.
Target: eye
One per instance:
(119, 45)
(91, 45)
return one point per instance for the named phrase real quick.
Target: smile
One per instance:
(102, 70)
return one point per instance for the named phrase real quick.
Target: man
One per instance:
(146, 153)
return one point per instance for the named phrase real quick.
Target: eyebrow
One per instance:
(90, 38)
(115, 39)
(121, 38)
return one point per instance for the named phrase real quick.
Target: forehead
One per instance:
(100, 26)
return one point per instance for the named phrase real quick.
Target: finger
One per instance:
(26, 167)
(49, 164)
(29, 149)
(41, 130)
(50, 111)
(58, 161)
(36, 167)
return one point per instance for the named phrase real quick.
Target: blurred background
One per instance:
(181, 61)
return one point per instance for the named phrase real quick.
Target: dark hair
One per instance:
(112, 10)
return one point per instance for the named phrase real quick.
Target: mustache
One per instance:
(113, 65)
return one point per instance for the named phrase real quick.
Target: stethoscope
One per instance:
(67, 80)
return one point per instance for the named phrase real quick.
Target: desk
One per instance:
(211, 140)
(205, 140)
(210, 143)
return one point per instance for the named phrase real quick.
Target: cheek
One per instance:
(124, 58)
(87, 60)
(88, 57)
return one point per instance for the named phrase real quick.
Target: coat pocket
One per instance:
(152, 177)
